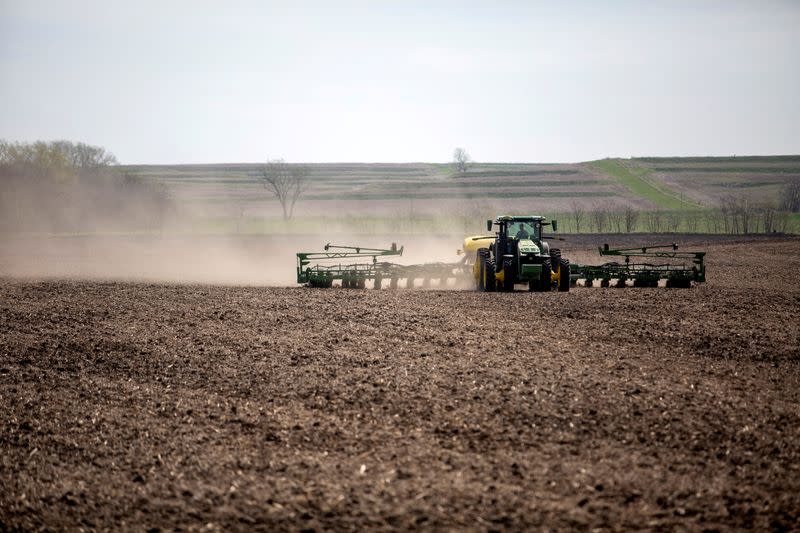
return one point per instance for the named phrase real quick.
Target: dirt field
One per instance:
(143, 406)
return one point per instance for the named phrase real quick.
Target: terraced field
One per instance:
(705, 179)
(342, 189)
(230, 198)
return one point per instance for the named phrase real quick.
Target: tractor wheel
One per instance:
(480, 258)
(508, 275)
(555, 256)
(605, 282)
(588, 282)
(546, 281)
(563, 277)
(481, 272)
(489, 282)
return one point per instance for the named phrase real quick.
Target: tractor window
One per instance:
(522, 230)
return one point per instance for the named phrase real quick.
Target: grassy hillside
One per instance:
(636, 178)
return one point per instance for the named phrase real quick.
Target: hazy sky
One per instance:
(162, 82)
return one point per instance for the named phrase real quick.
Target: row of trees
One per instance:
(55, 156)
(736, 213)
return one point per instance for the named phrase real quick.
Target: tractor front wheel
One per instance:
(546, 281)
(508, 275)
(563, 275)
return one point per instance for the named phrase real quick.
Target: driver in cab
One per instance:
(521, 232)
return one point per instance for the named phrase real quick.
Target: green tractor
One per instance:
(516, 254)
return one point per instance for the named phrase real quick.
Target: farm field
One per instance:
(159, 405)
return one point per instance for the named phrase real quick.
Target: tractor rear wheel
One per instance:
(480, 259)
(546, 279)
(563, 275)
(555, 256)
(481, 286)
(509, 276)
(489, 269)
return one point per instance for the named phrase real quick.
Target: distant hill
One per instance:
(409, 190)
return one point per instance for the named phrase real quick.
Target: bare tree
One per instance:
(631, 217)
(616, 218)
(739, 213)
(599, 217)
(674, 221)
(578, 214)
(287, 182)
(790, 197)
(692, 221)
(714, 221)
(461, 160)
(781, 224)
(653, 221)
(769, 218)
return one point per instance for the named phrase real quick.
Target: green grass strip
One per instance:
(635, 179)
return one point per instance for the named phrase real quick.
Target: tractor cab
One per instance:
(518, 253)
(519, 232)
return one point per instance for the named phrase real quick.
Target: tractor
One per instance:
(517, 253)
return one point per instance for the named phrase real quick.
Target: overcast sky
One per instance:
(198, 82)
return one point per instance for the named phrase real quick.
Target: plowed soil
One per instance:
(138, 406)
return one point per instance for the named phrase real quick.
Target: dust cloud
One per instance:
(63, 219)
(98, 224)
(267, 260)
